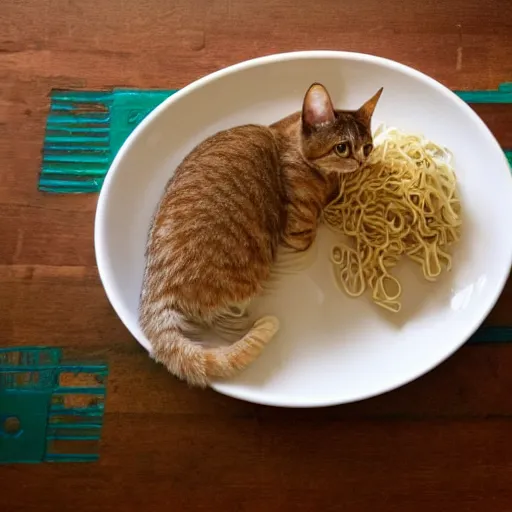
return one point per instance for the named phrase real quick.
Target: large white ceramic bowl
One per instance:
(331, 349)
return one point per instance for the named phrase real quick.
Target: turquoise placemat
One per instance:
(51, 409)
(85, 129)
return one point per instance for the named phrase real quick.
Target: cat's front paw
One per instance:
(299, 240)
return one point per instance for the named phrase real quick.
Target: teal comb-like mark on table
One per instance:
(85, 129)
(501, 95)
(50, 409)
(491, 334)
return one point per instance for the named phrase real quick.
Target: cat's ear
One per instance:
(317, 109)
(366, 111)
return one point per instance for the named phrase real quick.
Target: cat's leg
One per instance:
(301, 227)
(233, 323)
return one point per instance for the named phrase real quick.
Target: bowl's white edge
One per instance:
(100, 252)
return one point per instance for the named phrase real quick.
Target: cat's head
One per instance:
(335, 140)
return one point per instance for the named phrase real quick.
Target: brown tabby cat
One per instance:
(231, 202)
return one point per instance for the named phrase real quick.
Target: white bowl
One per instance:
(331, 349)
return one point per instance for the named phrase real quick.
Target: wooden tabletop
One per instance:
(442, 442)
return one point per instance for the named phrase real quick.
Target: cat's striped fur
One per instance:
(215, 235)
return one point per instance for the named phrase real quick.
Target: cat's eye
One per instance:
(342, 149)
(367, 149)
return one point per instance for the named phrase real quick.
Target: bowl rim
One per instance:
(100, 245)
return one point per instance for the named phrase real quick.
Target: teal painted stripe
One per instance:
(57, 128)
(81, 96)
(503, 96)
(69, 186)
(59, 410)
(73, 438)
(58, 189)
(75, 149)
(480, 97)
(102, 370)
(58, 174)
(74, 166)
(36, 351)
(63, 107)
(492, 334)
(69, 367)
(74, 426)
(73, 119)
(79, 390)
(69, 457)
(84, 158)
(75, 139)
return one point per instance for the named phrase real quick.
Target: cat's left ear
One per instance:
(366, 111)
(317, 109)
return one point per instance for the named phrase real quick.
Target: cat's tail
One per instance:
(199, 365)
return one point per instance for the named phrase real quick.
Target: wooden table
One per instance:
(442, 442)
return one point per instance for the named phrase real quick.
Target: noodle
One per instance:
(403, 202)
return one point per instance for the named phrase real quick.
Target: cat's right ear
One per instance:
(317, 109)
(366, 111)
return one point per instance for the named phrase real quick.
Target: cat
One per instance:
(236, 198)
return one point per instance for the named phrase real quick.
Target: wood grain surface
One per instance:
(441, 442)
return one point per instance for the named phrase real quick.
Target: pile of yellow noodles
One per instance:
(404, 201)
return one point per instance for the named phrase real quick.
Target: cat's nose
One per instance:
(361, 158)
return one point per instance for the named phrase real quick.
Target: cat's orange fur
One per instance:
(231, 202)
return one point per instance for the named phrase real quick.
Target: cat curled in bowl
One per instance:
(236, 199)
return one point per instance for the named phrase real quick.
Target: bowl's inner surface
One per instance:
(331, 348)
